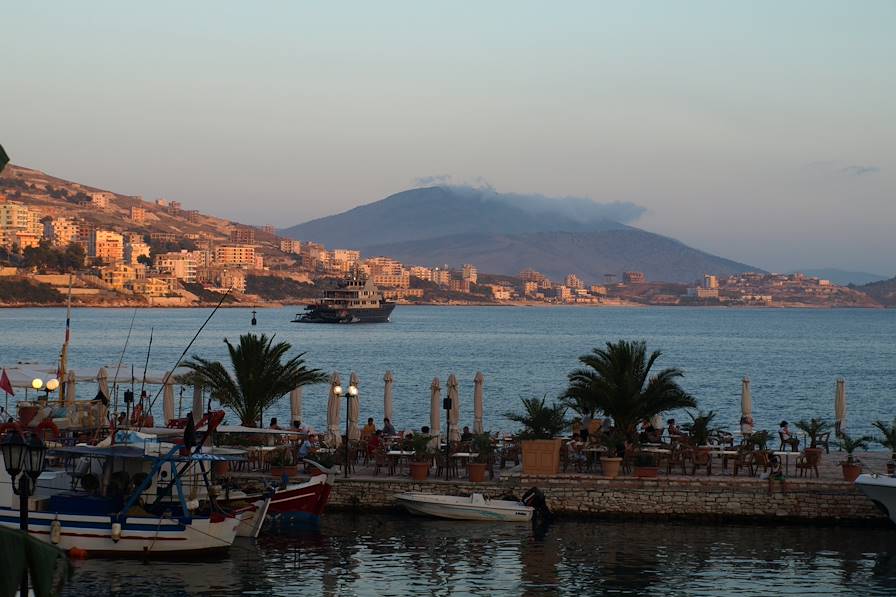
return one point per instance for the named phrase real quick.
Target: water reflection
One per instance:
(392, 555)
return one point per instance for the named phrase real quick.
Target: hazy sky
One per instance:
(764, 132)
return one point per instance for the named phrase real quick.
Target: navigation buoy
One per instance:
(254, 321)
(116, 531)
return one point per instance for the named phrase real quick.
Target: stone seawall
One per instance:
(734, 499)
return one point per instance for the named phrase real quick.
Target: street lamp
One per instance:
(337, 391)
(52, 386)
(24, 460)
(352, 392)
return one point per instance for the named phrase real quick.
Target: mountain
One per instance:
(883, 291)
(505, 233)
(842, 277)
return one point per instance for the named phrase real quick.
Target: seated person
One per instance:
(787, 438)
(466, 435)
(308, 446)
(301, 427)
(583, 435)
(574, 453)
(647, 431)
(576, 427)
(369, 429)
(274, 424)
(672, 428)
(374, 442)
(388, 429)
(746, 425)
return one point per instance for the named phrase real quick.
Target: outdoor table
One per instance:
(725, 455)
(399, 455)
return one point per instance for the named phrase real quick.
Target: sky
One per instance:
(761, 131)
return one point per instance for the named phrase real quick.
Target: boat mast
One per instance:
(63, 356)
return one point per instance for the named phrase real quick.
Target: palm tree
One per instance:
(616, 381)
(259, 379)
(889, 435)
(539, 420)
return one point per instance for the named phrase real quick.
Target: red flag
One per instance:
(5, 385)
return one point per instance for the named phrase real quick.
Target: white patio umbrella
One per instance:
(454, 413)
(333, 438)
(70, 380)
(198, 406)
(477, 402)
(168, 401)
(840, 405)
(295, 404)
(746, 399)
(387, 395)
(435, 405)
(354, 409)
(102, 380)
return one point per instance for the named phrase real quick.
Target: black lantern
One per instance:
(34, 456)
(13, 447)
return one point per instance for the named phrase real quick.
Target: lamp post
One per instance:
(352, 392)
(24, 460)
(446, 404)
(52, 386)
(337, 391)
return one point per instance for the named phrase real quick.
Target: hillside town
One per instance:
(125, 250)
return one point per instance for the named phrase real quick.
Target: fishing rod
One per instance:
(145, 367)
(184, 353)
(118, 367)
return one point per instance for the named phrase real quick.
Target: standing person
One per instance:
(388, 429)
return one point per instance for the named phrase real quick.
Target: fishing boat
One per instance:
(473, 507)
(881, 489)
(356, 300)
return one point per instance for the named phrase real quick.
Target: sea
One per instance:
(792, 357)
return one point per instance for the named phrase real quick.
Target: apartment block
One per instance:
(288, 245)
(134, 250)
(573, 282)
(470, 273)
(633, 277)
(236, 254)
(138, 214)
(61, 231)
(18, 223)
(106, 245)
(242, 235)
(423, 273)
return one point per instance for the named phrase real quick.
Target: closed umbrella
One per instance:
(387, 395)
(840, 406)
(454, 413)
(435, 405)
(354, 410)
(334, 440)
(295, 404)
(746, 399)
(168, 400)
(102, 409)
(477, 402)
(102, 380)
(198, 407)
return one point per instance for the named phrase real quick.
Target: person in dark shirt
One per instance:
(466, 436)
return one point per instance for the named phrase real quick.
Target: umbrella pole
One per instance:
(447, 405)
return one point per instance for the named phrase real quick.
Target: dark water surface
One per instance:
(394, 555)
(792, 356)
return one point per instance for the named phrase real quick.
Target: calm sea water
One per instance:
(792, 356)
(393, 555)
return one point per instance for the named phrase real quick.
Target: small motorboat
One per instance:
(880, 489)
(473, 507)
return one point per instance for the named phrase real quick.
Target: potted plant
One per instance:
(542, 424)
(645, 465)
(481, 445)
(852, 467)
(888, 441)
(758, 441)
(615, 444)
(319, 463)
(422, 458)
(813, 428)
(700, 432)
(282, 463)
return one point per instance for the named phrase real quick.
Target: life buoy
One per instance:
(47, 425)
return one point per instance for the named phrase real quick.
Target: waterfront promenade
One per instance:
(720, 496)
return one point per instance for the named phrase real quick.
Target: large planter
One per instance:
(541, 456)
(419, 470)
(813, 456)
(851, 471)
(476, 471)
(610, 466)
(288, 471)
(646, 472)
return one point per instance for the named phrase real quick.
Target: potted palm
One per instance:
(615, 444)
(813, 428)
(422, 458)
(617, 381)
(282, 463)
(852, 467)
(482, 447)
(700, 432)
(645, 465)
(758, 441)
(888, 441)
(542, 424)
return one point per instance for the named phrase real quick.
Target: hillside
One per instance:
(843, 277)
(884, 292)
(504, 234)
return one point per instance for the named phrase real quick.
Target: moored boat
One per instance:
(473, 507)
(356, 300)
(881, 489)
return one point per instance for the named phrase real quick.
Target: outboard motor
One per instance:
(534, 497)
